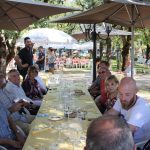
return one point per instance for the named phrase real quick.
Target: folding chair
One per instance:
(147, 145)
(2, 148)
(141, 145)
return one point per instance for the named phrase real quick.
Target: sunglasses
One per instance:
(102, 72)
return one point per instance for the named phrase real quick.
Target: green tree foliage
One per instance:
(7, 46)
(145, 39)
(88, 4)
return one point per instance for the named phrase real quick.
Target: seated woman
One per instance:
(111, 85)
(40, 81)
(31, 86)
(100, 101)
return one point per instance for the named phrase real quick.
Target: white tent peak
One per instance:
(47, 36)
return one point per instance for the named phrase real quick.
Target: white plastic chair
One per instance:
(140, 145)
(2, 148)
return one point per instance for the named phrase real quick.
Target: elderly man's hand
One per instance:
(25, 103)
(15, 144)
(16, 106)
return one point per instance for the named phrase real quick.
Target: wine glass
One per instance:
(75, 139)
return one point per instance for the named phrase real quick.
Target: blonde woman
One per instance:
(111, 85)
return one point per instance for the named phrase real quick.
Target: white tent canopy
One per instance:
(65, 46)
(87, 46)
(47, 37)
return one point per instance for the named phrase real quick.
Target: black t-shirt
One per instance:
(41, 54)
(26, 56)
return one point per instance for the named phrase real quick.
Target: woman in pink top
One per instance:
(104, 73)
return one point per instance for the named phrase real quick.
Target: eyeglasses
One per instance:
(102, 72)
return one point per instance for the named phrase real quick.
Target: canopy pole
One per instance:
(94, 52)
(132, 43)
(132, 51)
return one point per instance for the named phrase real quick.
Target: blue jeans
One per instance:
(41, 66)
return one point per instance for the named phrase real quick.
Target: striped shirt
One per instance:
(7, 100)
(51, 58)
(17, 91)
(5, 131)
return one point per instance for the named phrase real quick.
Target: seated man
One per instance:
(20, 117)
(109, 133)
(134, 109)
(13, 86)
(10, 136)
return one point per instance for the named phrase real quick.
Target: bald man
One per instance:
(134, 109)
(109, 133)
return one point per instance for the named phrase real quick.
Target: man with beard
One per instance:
(24, 58)
(134, 109)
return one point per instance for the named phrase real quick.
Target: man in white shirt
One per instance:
(20, 117)
(134, 109)
(14, 86)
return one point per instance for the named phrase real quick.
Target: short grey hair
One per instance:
(116, 136)
(12, 71)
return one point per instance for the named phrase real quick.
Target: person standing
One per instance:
(24, 58)
(41, 58)
(51, 59)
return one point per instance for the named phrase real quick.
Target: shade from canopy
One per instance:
(18, 14)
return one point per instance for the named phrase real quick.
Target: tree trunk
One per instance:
(101, 49)
(6, 51)
(3, 55)
(108, 52)
(147, 52)
(125, 50)
(125, 53)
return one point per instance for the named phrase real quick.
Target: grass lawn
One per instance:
(140, 68)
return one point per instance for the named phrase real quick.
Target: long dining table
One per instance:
(54, 130)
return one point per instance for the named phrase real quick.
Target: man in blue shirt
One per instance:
(22, 119)
(10, 136)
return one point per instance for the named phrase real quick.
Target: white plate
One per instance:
(55, 118)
